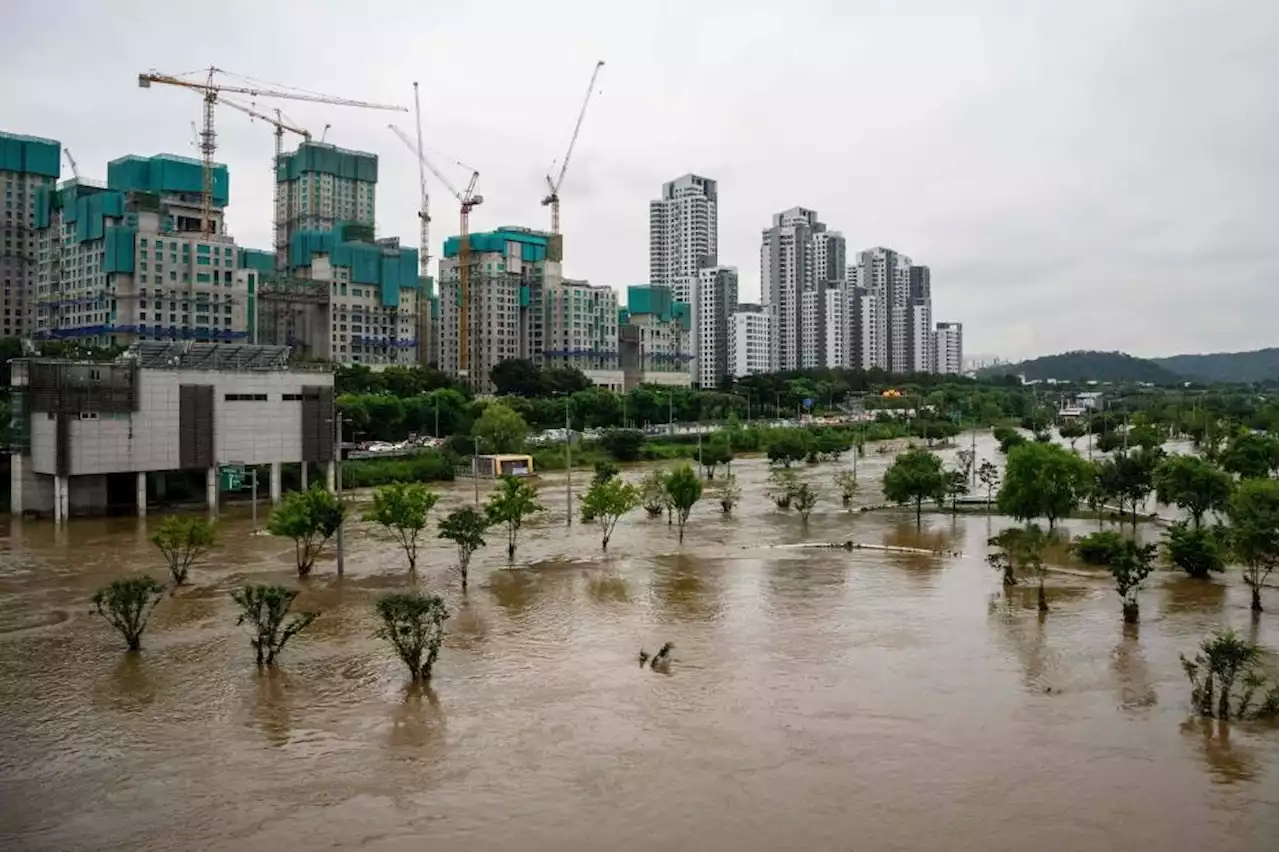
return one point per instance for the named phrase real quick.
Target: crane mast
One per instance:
(211, 91)
(555, 251)
(71, 161)
(467, 199)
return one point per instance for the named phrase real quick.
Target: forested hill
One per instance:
(1260, 365)
(1090, 366)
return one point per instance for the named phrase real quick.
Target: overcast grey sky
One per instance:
(1096, 175)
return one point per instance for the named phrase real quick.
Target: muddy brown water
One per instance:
(819, 700)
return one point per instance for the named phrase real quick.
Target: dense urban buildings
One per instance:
(28, 166)
(948, 348)
(798, 266)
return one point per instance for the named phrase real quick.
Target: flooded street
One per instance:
(818, 699)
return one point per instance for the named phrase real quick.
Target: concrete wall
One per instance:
(254, 432)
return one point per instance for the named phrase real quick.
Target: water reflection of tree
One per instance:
(1228, 763)
(1133, 676)
(685, 587)
(417, 720)
(809, 580)
(1185, 595)
(514, 590)
(271, 706)
(1025, 630)
(131, 685)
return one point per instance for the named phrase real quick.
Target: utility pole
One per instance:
(337, 487)
(475, 469)
(973, 456)
(436, 433)
(568, 465)
(254, 473)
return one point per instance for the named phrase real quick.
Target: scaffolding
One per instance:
(294, 312)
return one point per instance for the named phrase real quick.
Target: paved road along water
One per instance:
(819, 699)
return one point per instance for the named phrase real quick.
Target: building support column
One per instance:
(304, 476)
(61, 498)
(16, 470)
(142, 493)
(275, 483)
(330, 475)
(211, 489)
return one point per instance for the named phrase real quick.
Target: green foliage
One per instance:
(182, 539)
(604, 471)
(1259, 365)
(414, 625)
(465, 527)
(623, 444)
(829, 444)
(989, 476)
(605, 502)
(402, 508)
(1128, 477)
(514, 500)
(520, 377)
(1072, 430)
(957, 486)
(730, 494)
(786, 446)
(1145, 435)
(126, 604)
(1020, 550)
(715, 453)
(915, 476)
(653, 493)
(1109, 442)
(1084, 366)
(1255, 520)
(1227, 661)
(1130, 565)
(386, 416)
(310, 518)
(1099, 548)
(1008, 438)
(1200, 551)
(847, 481)
(782, 485)
(1192, 484)
(424, 466)
(1251, 456)
(500, 429)
(684, 489)
(264, 608)
(804, 497)
(1042, 481)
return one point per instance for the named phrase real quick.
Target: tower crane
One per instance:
(71, 161)
(467, 200)
(211, 91)
(556, 249)
(280, 125)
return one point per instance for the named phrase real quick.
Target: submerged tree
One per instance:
(402, 509)
(1130, 566)
(1200, 551)
(1072, 430)
(713, 454)
(1250, 455)
(465, 527)
(606, 502)
(514, 500)
(1021, 549)
(1255, 520)
(786, 446)
(847, 481)
(915, 476)
(414, 625)
(310, 518)
(126, 604)
(183, 539)
(804, 498)
(1042, 481)
(684, 489)
(730, 494)
(1100, 548)
(653, 493)
(1192, 484)
(265, 608)
(957, 487)
(782, 485)
(1226, 660)
(989, 476)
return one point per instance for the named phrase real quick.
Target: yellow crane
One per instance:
(281, 125)
(467, 199)
(211, 91)
(555, 251)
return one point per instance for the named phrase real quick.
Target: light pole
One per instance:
(568, 465)
(475, 468)
(337, 487)
(436, 434)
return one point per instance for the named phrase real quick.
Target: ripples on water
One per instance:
(818, 699)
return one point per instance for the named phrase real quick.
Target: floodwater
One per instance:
(818, 699)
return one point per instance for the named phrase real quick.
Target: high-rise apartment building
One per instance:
(800, 261)
(27, 164)
(319, 187)
(749, 340)
(580, 330)
(129, 261)
(683, 232)
(890, 302)
(948, 347)
(506, 304)
(654, 340)
(713, 299)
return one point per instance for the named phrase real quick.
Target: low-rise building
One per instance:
(92, 436)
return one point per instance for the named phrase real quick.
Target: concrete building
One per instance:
(507, 283)
(683, 232)
(948, 347)
(580, 331)
(129, 261)
(92, 436)
(895, 312)
(319, 187)
(749, 340)
(713, 299)
(654, 344)
(28, 165)
(800, 261)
